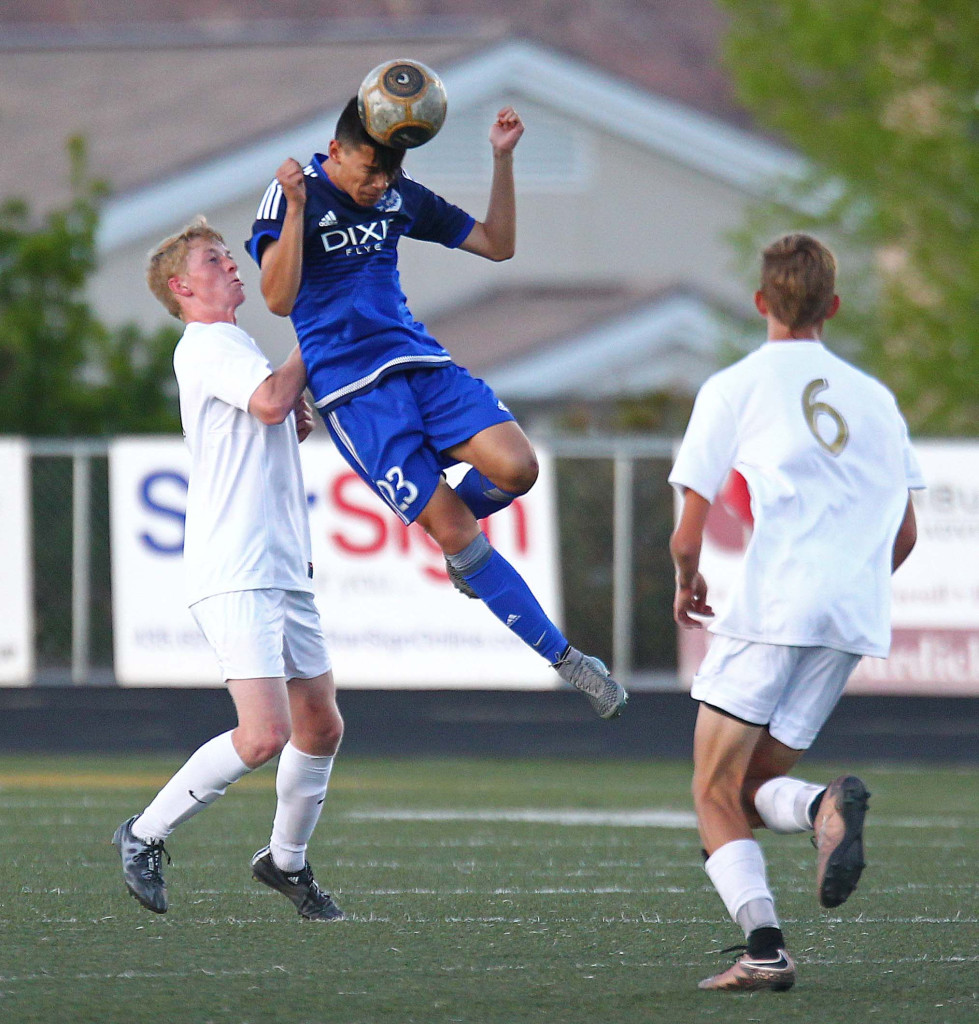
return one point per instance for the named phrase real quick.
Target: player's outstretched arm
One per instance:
(277, 395)
(495, 237)
(282, 260)
(685, 544)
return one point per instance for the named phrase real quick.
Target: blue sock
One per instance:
(503, 590)
(481, 495)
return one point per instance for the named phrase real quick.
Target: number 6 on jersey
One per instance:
(813, 410)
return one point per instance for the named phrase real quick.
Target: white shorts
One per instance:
(792, 690)
(264, 634)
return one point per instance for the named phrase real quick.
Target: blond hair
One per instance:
(798, 280)
(169, 259)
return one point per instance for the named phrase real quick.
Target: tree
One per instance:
(881, 97)
(62, 371)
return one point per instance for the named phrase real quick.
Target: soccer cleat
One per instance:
(312, 903)
(458, 582)
(838, 839)
(751, 974)
(590, 675)
(141, 863)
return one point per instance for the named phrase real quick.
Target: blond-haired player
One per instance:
(829, 466)
(248, 568)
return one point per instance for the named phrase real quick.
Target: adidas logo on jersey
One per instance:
(328, 219)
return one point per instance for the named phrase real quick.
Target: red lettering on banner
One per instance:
(521, 534)
(346, 491)
(402, 537)
(366, 531)
(924, 660)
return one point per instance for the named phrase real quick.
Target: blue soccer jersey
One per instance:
(351, 317)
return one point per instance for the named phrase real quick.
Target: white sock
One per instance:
(737, 871)
(204, 777)
(300, 786)
(783, 804)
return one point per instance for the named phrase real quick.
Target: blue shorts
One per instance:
(395, 436)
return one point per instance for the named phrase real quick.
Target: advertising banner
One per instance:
(935, 603)
(390, 616)
(17, 592)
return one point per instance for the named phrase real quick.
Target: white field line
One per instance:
(549, 920)
(543, 816)
(54, 813)
(938, 823)
(376, 969)
(650, 818)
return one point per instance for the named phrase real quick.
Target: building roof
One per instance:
(537, 344)
(511, 322)
(546, 77)
(670, 47)
(147, 113)
(198, 114)
(157, 88)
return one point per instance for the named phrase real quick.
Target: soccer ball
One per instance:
(402, 103)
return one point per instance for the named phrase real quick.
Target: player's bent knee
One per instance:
(330, 734)
(319, 734)
(708, 796)
(521, 476)
(257, 748)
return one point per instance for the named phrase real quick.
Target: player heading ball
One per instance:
(397, 407)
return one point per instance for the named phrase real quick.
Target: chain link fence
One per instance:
(72, 563)
(615, 514)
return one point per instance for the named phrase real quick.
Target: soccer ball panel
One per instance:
(402, 103)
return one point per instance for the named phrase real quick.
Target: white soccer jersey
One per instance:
(826, 455)
(247, 525)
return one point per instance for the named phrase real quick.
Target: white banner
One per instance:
(935, 606)
(17, 591)
(390, 616)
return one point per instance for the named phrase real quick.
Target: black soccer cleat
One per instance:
(141, 867)
(838, 839)
(312, 903)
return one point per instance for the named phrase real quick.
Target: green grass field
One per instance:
(589, 905)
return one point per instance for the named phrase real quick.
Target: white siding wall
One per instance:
(624, 214)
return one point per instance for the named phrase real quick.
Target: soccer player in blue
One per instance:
(397, 407)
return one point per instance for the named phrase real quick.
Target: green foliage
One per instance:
(62, 371)
(882, 98)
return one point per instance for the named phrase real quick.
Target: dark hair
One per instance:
(351, 134)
